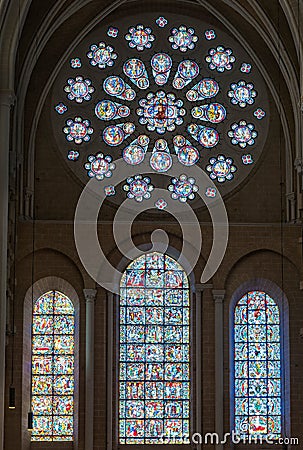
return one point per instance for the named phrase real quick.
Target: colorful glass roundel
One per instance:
(183, 94)
(161, 112)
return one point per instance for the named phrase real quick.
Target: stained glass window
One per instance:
(182, 90)
(154, 378)
(257, 372)
(53, 368)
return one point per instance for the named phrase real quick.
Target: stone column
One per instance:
(90, 296)
(198, 381)
(6, 101)
(218, 296)
(291, 210)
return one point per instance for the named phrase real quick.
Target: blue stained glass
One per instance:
(258, 350)
(154, 351)
(108, 110)
(114, 135)
(102, 55)
(154, 333)
(176, 371)
(42, 344)
(43, 405)
(136, 71)
(53, 367)
(241, 351)
(161, 111)
(41, 385)
(79, 89)
(242, 94)
(63, 425)
(221, 168)
(174, 297)
(140, 37)
(43, 305)
(187, 154)
(187, 70)
(42, 324)
(220, 59)
(135, 152)
(116, 87)
(212, 112)
(208, 137)
(63, 384)
(161, 64)
(154, 372)
(154, 315)
(206, 88)
(257, 371)
(183, 38)
(242, 134)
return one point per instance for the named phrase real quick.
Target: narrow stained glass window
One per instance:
(154, 378)
(257, 376)
(53, 368)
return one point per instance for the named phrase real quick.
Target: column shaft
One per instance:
(218, 296)
(6, 100)
(199, 361)
(90, 295)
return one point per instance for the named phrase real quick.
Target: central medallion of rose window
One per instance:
(161, 112)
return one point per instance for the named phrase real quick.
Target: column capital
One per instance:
(298, 165)
(218, 295)
(291, 196)
(200, 287)
(90, 295)
(28, 193)
(7, 97)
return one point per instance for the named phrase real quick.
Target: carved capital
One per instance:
(291, 196)
(200, 287)
(298, 165)
(28, 193)
(218, 295)
(90, 295)
(7, 97)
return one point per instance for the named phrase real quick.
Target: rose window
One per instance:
(148, 91)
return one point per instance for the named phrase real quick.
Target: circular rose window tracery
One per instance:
(156, 88)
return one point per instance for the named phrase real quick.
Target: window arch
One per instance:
(154, 373)
(257, 374)
(52, 383)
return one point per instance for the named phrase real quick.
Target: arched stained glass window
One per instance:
(53, 367)
(257, 372)
(154, 377)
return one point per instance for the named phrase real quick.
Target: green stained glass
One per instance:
(154, 351)
(257, 370)
(53, 368)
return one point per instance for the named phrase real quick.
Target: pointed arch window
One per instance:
(257, 367)
(53, 367)
(154, 373)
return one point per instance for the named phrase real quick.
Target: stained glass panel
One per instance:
(53, 368)
(154, 352)
(257, 352)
